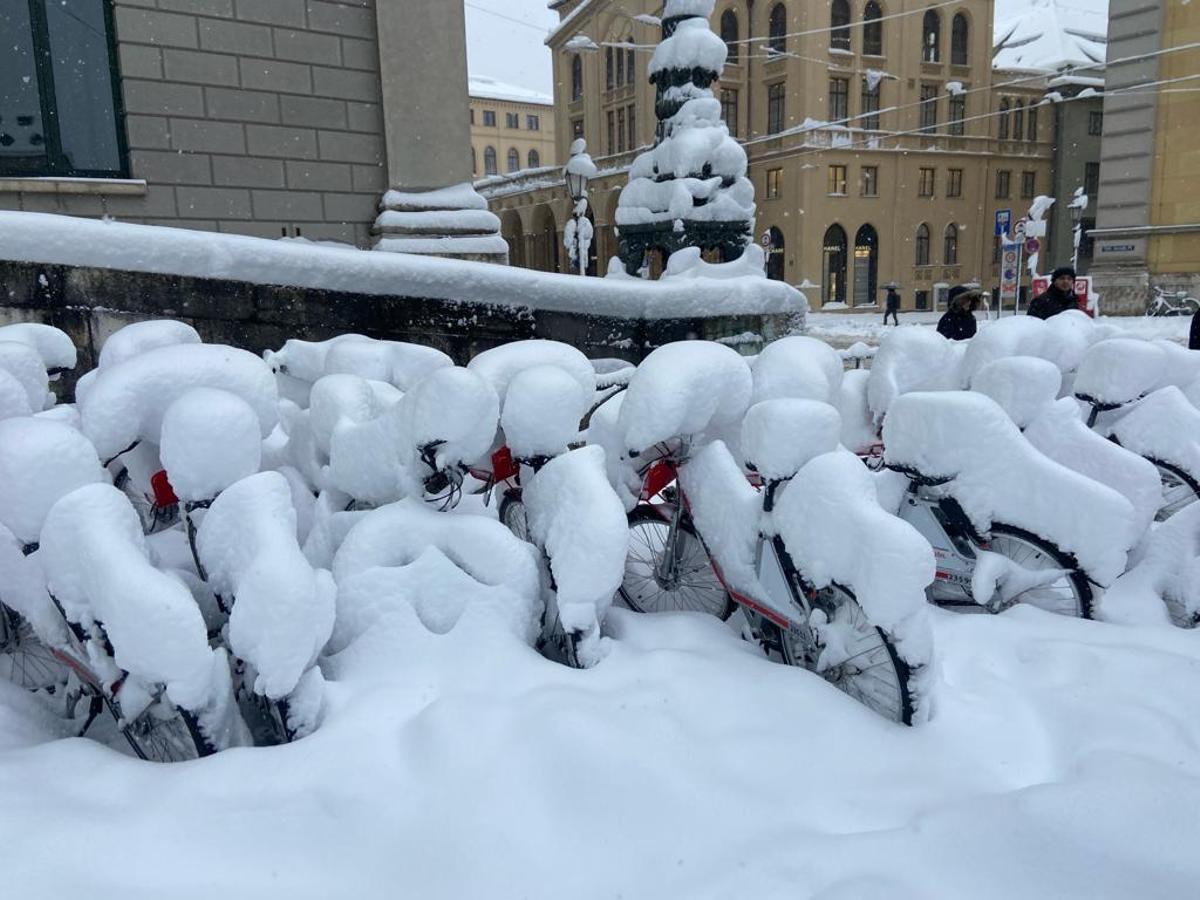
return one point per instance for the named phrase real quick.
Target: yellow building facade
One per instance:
(512, 128)
(869, 127)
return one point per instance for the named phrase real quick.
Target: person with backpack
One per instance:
(958, 322)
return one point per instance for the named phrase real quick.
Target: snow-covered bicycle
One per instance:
(1171, 303)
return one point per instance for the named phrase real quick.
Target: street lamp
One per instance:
(577, 236)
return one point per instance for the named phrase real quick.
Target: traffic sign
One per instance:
(1019, 230)
(1032, 246)
(1003, 222)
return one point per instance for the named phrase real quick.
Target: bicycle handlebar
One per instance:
(919, 477)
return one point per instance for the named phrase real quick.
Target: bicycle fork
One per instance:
(666, 570)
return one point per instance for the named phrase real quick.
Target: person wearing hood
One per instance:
(892, 305)
(958, 322)
(1057, 298)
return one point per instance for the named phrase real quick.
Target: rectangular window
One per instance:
(1002, 122)
(621, 146)
(774, 183)
(631, 114)
(1096, 123)
(512, 120)
(1028, 185)
(472, 117)
(533, 123)
(929, 112)
(837, 180)
(839, 99)
(958, 115)
(926, 182)
(59, 107)
(870, 106)
(489, 118)
(729, 109)
(1031, 129)
(775, 108)
(954, 183)
(577, 128)
(1091, 181)
(609, 76)
(870, 181)
(1002, 188)
(612, 131)
(921, 299)
(629, 68)
(620, 56)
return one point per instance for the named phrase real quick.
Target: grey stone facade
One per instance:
(1075, 148)
(258, 117)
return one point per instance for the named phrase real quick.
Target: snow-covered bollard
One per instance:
(281, 608)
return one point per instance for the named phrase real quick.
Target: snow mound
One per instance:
(138, 337)
(1162, 578)
(53, 345)
(337, 401)
(14, 399)
(41, 462)
(500, 365)
(1164, 427)
(604, 430)
(97, 567)
(858, 425)
(803, 368)
(826, 516)
(210, 439)
(395, 362)
(998, 476)
(24, 364)
(1023, 386)
(1119, 371)
(542, 411)
(912, 359)
(580, 523)
(779, 437)
(682, 389)
(688, 263)
(127, 401)
(282, 608)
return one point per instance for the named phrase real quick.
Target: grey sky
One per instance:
(501, 48)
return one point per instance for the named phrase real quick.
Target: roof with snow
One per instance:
(1052, 35)
(483, 88)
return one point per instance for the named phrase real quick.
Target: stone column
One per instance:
(431, 207)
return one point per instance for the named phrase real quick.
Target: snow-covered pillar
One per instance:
(431, 207)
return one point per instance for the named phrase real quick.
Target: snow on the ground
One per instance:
(842, 330)
(1060, 762)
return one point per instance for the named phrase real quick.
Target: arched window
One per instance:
(950, 245)
(839, 25)
(1018, 123)
(959, 33)
(866, 266)
(535, 159)
(775, 258)
(922, 257)
(777, 28)
(931, 37)
(833, 273)
(474, 162)
(1031, 130)
(576, 77)
(872, 29)
(489, 161)
(1003, 120)
(729, 33)
(514, 160)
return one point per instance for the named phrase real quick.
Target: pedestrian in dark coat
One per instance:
(892, 305)
(958, 322)
(1057, 298)
(1194, 340)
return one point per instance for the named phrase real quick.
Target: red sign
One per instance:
(1083, 288)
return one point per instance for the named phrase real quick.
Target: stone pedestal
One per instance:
(431, 207)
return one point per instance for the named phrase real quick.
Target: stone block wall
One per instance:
(258, 117)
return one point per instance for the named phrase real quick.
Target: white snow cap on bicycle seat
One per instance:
(53, 345)
(500, 365)
(1120, 370)
(210, 440)
(542, 411)
(454, 406)
(780, 436)
(802, 368)
(337, 400)
(1024, 387)
(684, 388)
(138, 337)
(40, 462)
(24, 363)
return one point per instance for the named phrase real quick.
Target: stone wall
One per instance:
(90, 303)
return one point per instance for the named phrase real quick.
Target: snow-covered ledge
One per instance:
(452, 221)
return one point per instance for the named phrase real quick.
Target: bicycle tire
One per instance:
(641, 592)
(513, 515)
(1186, 487)
(163, 732)
(883, 681)
(24, 659)
(1082, 588)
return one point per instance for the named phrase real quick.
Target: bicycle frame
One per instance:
(942, 522)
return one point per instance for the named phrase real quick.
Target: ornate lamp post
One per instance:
(1078, 205)
(577, 236)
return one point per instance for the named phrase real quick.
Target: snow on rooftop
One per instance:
(480, 87)
(1050, 35)
(65, 240)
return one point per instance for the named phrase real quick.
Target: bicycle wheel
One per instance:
(1068, 595)
(1179, 490)
(694, 586)
(24, 659)
(513, 515)
(164, 733)
(853, 655)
